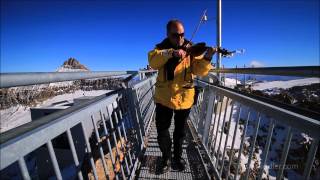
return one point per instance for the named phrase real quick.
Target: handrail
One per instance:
(28, 127)
(303, 71)
(131, 105)
(32, 78)
(217, 108)
(296, 120)
(289, 107)
(45, 128)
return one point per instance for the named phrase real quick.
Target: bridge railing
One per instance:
(296, 71)
(116, 124)
(143, 104)
(238, 133)
(104, 131)
(299, 71)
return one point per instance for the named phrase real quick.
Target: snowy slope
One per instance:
(18, 115)
(285, 84)
(231, 83)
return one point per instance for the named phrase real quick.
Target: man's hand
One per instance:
(210, 52)
(179, 53)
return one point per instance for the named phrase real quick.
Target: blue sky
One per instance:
(116, 35)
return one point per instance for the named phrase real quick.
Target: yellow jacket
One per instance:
(177, 93)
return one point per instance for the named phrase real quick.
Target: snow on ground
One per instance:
(229, 82)
(71, 96)
(61, 84)
(13, 117)
(285, 84)
(66, 69)
(19, 115)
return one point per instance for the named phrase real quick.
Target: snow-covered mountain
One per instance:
(72, 65)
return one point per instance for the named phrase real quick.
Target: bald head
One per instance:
(175, 32)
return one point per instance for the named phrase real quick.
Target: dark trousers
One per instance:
(163, 122)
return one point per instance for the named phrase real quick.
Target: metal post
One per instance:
(244, 77)
(54, 161)
(236, 78)
(208, 116)
(219, 37)
(24, 169)
(224, 77)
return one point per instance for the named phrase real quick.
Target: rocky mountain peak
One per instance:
(73, 64)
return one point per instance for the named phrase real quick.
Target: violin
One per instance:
(199, 48)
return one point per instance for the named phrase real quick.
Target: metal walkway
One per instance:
(152, 156)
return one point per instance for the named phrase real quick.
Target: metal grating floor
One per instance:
(151, 158)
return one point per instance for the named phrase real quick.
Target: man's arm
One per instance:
(157, 58)
(201, 65)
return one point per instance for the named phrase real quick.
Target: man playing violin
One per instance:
(174, 93)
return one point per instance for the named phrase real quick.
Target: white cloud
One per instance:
(255, 63)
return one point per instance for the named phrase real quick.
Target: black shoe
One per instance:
(179, 164)
(163, 166)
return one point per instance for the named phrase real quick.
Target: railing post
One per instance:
(141, 75)
(136, 115)
(224, 77)
(244, 77)
(236, 78)
(208, 116)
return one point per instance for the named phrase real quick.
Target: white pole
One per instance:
(219, 37)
